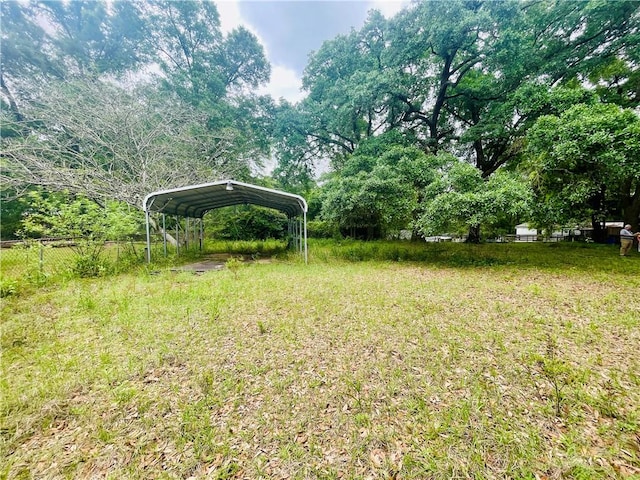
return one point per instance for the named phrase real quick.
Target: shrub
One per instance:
(87, 266)
(322, 229)
(247, 223)
(8, 287)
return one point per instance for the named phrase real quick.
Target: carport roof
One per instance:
(196, 200)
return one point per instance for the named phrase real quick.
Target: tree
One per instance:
(368, 205)
(399, 74)
(536, 46)
(199, 63)
(82, 39)
(22, 54)
(213, 71)
(462, 200)
(247, 222)
(379, 190)
(455, 76)
(94, 38)
(585, 162)
(296, 157)
(97, 140)
(81, 220)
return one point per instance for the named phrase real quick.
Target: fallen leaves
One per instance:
(368, 372)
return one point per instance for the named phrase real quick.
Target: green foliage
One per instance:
(560, 257)
(8, 287)
(87, 225)
(267, 248)
(375, 196)
(10, 218)
(464, 77)
(469, 78)
(83, 38)
(200, 62)
(246, 223)
(617, 82)
(371, 205)
(295, 165)
(90, 262)
(462, 199)
(234, 264)
(322, 229)
(585, 163)
(557, 372)
(64, 215)
(123, 142)
(440, 69)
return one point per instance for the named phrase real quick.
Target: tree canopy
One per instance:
(586, 163)
(447, 116)
(106, 126)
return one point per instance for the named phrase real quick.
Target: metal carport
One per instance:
(196, 200)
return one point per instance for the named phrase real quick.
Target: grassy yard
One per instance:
(440, 361)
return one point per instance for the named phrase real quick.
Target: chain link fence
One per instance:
(35, 259)
(41, 261)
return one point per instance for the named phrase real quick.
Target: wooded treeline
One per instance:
(448, 117)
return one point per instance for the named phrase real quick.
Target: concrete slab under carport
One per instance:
(216, 261)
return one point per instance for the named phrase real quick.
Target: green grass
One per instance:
(35, 264)
(445, 361)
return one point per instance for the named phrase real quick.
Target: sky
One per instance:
(290, 30)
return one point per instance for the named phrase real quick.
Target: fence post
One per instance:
(41, 258)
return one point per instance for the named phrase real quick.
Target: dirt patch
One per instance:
(217, 261)
(204, 266)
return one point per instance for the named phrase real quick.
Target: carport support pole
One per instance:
(306, 250)
(196, 232)
(164, 234)
(300, 230)
(186, 233)
(148, 237)
(201, 232)
(296, 238)
(177, 236)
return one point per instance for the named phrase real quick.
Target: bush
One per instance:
(87, 266)
(8, 287)
(247, 223)
(322, 229)
(269, 247)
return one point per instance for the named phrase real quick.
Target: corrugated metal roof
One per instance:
(196, 200)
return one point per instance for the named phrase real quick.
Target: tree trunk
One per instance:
(631, 208)
(474, 234)
(599, 231)
(632, 214)
(158, 228)
(597, 203)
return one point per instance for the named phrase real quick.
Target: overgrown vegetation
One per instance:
(448, 117)
(246, 222)
(81, 224)
(522, 367)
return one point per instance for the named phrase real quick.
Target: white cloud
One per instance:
(230, 16)
(389, 7)
(284, 83)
